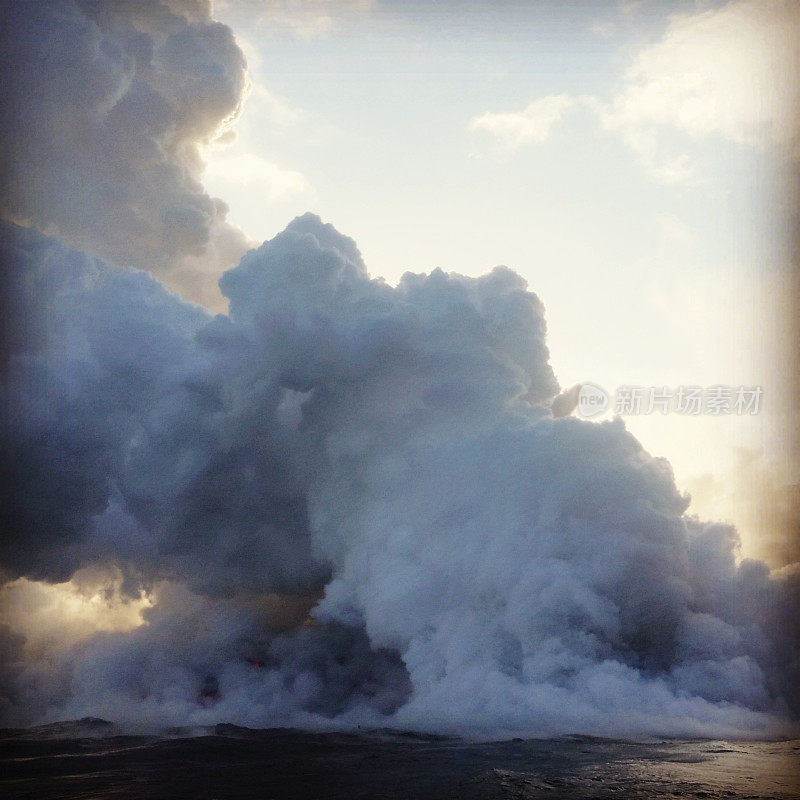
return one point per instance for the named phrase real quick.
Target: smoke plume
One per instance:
(341, 502)
(103, 108)
(440, 552)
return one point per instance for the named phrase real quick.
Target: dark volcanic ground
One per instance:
(87, 759)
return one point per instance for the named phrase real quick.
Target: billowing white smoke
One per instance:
(102, 108)
(385, 458)
(351, 503)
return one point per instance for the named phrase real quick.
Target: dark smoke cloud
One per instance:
(483, 567)
(103, 107)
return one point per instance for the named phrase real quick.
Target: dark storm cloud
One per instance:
(103, 107)
(483, 566)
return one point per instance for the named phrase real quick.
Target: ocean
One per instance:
(92, 759)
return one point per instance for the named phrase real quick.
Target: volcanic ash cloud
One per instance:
(352, 504)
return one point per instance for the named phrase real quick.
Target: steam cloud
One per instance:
(481, 565)
(351, 502)
(103, 107)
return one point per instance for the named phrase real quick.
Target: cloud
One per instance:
(280, 112)
(533, 124)
(350, 504)
(272, 181)
(729, 71)
(305, 19)
(104, 109)
(566, 402)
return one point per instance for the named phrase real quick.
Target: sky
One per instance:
(296, 298)
(629, 160)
